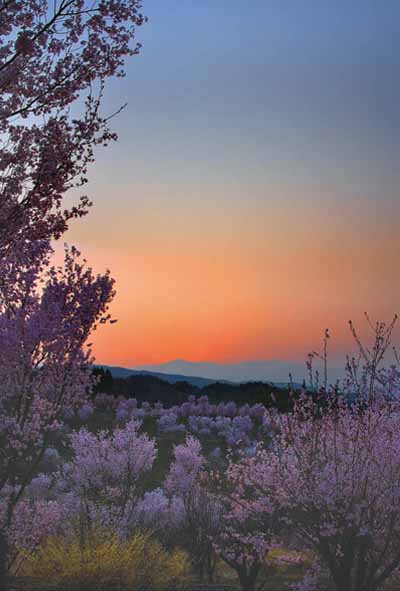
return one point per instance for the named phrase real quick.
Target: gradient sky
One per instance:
(253, 197)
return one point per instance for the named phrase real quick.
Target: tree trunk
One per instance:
(3, 560)
(247, 582)
(210, 568)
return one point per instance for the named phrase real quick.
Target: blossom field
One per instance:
(135, 496)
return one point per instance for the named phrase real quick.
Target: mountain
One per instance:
(124, 372)
(275, 371)
(148, 387)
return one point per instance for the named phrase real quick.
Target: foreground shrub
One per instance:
(107, 563)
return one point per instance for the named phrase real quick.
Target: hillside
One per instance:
(151, 388)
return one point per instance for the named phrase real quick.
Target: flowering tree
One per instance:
(186, 480)
(367, 374)
(159, 515)
(104, 480)
(100, 487)
(222, 515)
(44, 371)
(43, 368)
(332, 470)
(35, 521)
(248, 518)
(336, 478)
(243, 550)
(53, 56)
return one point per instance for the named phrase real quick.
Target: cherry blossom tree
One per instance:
(44, 369)
(55, 58)
(223, 517)
(35, 521)
(52, 55)
(100, 487)
(332, 470)
(104, 479)
(368, 373)
(336, 479)
(186, 480)
(247, 525)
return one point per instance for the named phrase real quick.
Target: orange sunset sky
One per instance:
(252, 198)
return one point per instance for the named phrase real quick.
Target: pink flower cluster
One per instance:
(52, 54)
(46, 315)
(234, 425)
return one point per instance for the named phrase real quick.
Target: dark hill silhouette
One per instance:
(124, 372)
(150, 388)
(143, 387)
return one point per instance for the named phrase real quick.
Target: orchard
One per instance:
(101, 492)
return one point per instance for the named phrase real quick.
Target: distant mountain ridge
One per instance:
(269, 371)
(202, 374)
(124, 372)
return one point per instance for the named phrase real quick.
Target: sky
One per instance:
(252, 199)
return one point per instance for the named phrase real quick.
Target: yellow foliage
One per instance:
(107, 563)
